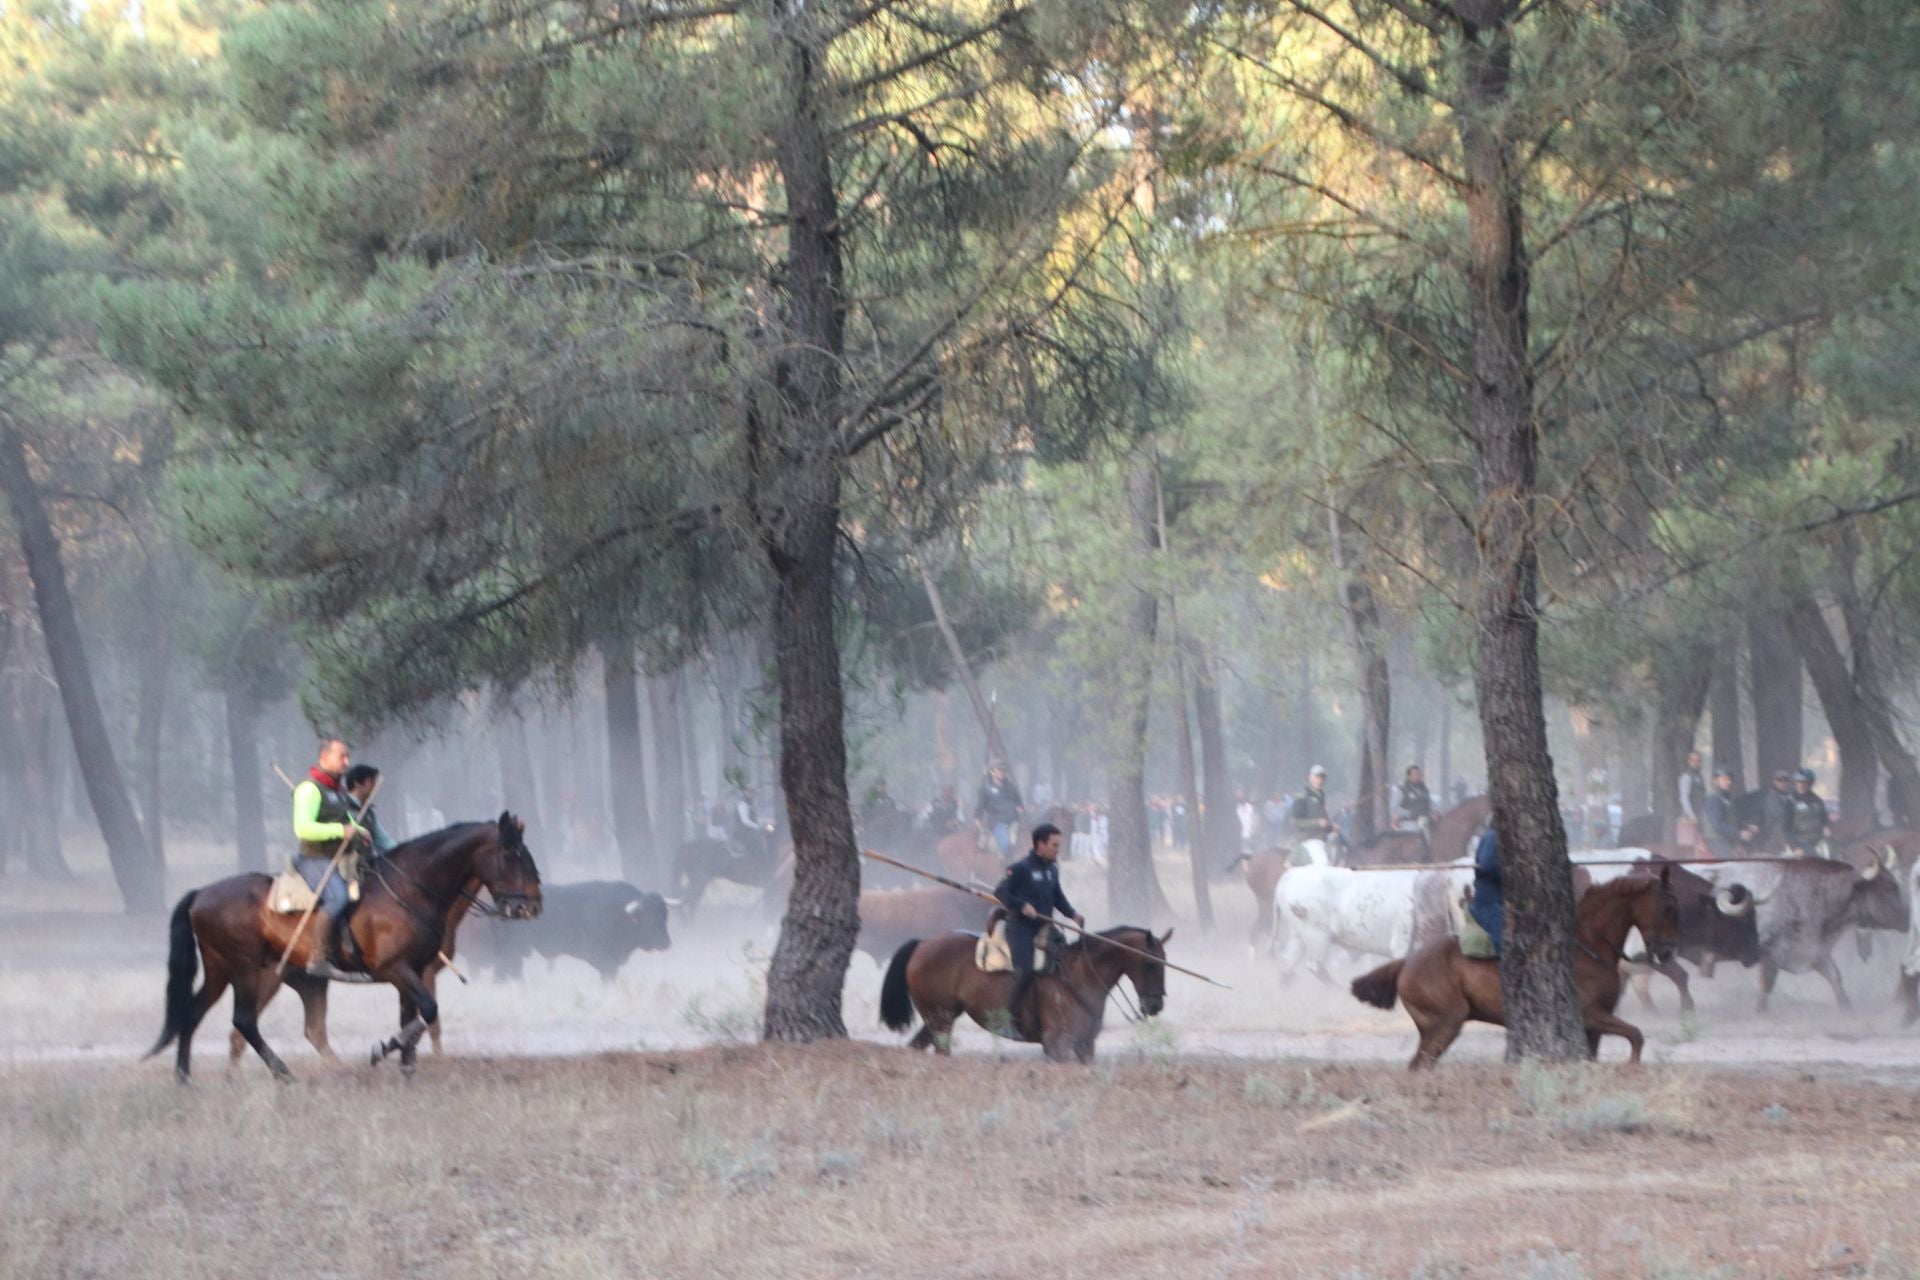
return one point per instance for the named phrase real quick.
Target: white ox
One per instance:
(1370, 913)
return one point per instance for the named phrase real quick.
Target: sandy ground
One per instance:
(632, 1128)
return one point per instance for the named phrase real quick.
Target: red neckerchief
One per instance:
(324, 778)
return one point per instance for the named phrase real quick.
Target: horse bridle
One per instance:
(473, 899)
(1664, 891)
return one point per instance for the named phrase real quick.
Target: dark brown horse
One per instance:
(1444, 990)
(1452, 832)
(313, 991)
(397, 928)
(938, 978)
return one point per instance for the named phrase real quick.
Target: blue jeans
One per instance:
(333, 898)
(1003, 836)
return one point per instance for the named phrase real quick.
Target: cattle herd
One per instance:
(1781, 915)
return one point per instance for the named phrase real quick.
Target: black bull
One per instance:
(599, 921)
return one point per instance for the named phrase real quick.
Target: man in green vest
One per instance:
(322, 818)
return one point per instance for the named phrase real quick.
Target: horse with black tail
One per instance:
(937, 977)
(1444, 989)
(229, 927)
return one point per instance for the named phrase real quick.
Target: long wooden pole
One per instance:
(338, 853)
(1606, 862)
(1069, 925)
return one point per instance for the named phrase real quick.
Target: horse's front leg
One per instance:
(426, 1011)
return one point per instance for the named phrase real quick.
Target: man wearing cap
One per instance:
(1310, 818)
(1722, 831)
(1807, 831)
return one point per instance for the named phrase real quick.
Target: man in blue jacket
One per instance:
(1031, 893)
(1489, 906)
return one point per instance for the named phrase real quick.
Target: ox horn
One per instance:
(1734, 900)
(674, 902)
(1890, 857)
(633, 908)
(1871, 870)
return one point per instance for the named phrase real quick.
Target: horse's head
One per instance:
(1656, 913)
(1149, 977)
(505, 866)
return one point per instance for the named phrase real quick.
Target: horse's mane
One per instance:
(443, 835)
(1081, 944)
(1619, 887)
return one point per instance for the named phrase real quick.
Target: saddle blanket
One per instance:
(992, 954)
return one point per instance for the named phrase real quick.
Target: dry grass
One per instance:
(855, 1160)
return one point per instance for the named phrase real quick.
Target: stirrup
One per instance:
(323, 969)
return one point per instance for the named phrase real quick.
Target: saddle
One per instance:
(993, 954)
(291, 895)
(1475, 943)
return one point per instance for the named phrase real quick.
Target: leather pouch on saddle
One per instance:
(290, 894)
(1475, 943)
(993, 954)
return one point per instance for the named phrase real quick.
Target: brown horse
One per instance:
(1263, 871)
(397, 928)
(938, 978)
(1444, 990)
(313, 991)
(1452, 832)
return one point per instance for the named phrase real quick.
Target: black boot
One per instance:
(1022, 983)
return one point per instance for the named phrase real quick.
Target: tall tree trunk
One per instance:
(1827, 667)
(1223, 835)
(799, 473)
(1132, 886)
(243, 758)
(694, 802)
(1680, 680)
(152, 666)
(1306, 719)
(139, 877)
(1202, 817)
(1903, 776)
(945, 758)
(1369, 647)
(641, 861)
(1443, 782)
(1774, 682)
(28, 756)
(1723, 704)
(1536, 964)
(729, 682)
(670, 808)
(963, 668)
(517, 787)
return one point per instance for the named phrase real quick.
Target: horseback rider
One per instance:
(322, 819)
(1721, 830)
(1031, 893)
(1416, 802)
(1808, 828)
(359, 782)
(999, 805)
(1310, 818)
(1489, 907)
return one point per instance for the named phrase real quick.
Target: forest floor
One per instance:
(632, 1128)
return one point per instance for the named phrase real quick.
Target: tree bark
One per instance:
(139, 877)
(243, 758)
(153, 665)
(1723, 704)
(1870, 693)
(670, 797)
(1202, 818)
(1827, 667)
(963, 668)
(797, 479)
(517, 787)
(1131, 883)
(1680, 680)
(1371, 810)
(1774, 689)
(627, 767)
(1536, 964)
(1223, 836)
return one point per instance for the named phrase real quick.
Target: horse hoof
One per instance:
(380, 1052)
